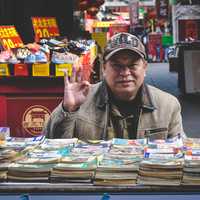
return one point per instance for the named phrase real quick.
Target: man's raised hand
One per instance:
(75, 90)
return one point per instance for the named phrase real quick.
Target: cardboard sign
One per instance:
(100, 38)
(9, 38)
(40, 69)
(4, 69)
(102, 24)
(61, 67)
(45, 27)
(21, 69)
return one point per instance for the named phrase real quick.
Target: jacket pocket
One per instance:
(153, 133)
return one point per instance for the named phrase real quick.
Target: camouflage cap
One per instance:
(123, 41)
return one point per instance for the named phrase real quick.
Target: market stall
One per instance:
(31, 75)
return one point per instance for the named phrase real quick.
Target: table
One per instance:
(63, 191)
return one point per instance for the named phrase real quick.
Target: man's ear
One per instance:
(145, 64)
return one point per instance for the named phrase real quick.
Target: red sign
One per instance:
(189, 30)
(45, 27)
(162, 8)
(9, 37)
(26, 116)
(117, 28)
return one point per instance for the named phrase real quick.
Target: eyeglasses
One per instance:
(120, 67)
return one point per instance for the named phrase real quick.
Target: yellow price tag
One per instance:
(60, 68)
(100, 38)
(93, 53)
(40, 69)
(4, 71)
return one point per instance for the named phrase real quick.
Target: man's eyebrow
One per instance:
(114, 62)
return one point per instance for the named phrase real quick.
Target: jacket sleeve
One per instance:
(61, 124)
(176, 126)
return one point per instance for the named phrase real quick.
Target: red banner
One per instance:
(9, 37)
(45, 27)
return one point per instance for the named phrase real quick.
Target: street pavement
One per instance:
(158, 75)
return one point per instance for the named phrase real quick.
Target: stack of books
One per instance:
(13, 149)
(120, 165)
(74, 168)
(160, 172)
(37, 164)
(162, 164)
(191, 168)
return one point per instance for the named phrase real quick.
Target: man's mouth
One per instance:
(124, 81)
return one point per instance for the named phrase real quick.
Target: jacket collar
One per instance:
(103, 95)
(147, 102)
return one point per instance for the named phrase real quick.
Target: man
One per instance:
(121, 105)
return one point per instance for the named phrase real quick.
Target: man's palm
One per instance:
(75, 94)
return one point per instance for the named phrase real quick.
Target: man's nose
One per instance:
(124, 70)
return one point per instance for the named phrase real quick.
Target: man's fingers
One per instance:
(73, 76)
(66, 77)
(79, 75)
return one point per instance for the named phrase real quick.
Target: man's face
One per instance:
(124, 73)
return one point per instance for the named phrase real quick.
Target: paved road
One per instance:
(158, 75)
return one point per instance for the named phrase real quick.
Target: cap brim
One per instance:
(109, 55)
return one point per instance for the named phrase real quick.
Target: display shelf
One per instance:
(21, 96)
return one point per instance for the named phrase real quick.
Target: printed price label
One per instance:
(40, 69)
(4, 71)
(10, 38)
(61, 67)
(45, 27)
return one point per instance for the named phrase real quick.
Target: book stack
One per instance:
(162, 164)
(120, 165)
(7, 156)
(12, 149)
(3, 171)
(191, 168)
(74, 168)
(160, 172)
(81, 163)
(37, 164)
(18, 172)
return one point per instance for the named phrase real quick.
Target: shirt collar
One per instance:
(147, 101)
